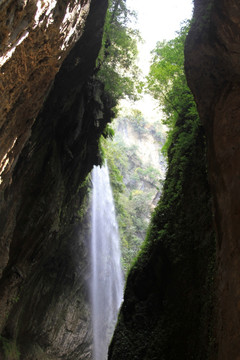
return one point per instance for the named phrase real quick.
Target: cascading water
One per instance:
(107, 278)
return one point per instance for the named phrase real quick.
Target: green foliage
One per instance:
(117, 57)
(181, 228)
(168, 307)
(148, 175)
(10, 349)
(167, 82)
(138, 122)
(108, 132)
(144, 128)
(15, 299)
(135, 185)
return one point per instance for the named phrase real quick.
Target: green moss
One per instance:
(10, 349)
(129, 175)
(168, 312)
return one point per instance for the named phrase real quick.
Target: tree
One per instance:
(167, 82)
(135, 185)
(116, 62)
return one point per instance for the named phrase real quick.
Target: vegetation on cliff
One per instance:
(44, 310)
(44, 300)
(136, 177)
(167, 82)
(167, 309)
(117, 59)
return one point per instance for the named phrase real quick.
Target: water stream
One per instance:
(107, 278)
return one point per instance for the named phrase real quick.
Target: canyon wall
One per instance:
(167, 307)
(213, 72)
(182, 295)
(53, 111)
(35, 38)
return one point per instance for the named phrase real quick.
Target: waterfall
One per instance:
(107, 278)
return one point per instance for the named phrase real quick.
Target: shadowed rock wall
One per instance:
(160, 317)
(167, 308)
(213, 72)
(44, 254)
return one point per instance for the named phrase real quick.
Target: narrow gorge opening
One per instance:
(67, 69)
(133, 143)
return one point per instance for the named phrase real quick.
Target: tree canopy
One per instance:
(118, 54)
(167, 82)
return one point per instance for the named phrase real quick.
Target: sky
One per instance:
(157, 20)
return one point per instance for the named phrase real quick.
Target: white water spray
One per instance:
(107, 278)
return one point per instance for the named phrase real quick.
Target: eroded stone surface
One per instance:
(35, 38)
(44, 246)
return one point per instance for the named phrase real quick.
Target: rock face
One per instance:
(46, 156)
(213, 71)
(166, 313)
(145, 141)
(160, 317)
(53, 111)
(35, 36)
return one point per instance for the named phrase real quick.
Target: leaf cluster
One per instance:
(167, 82)
(179, 250)
(116, 61)
(135, 185)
